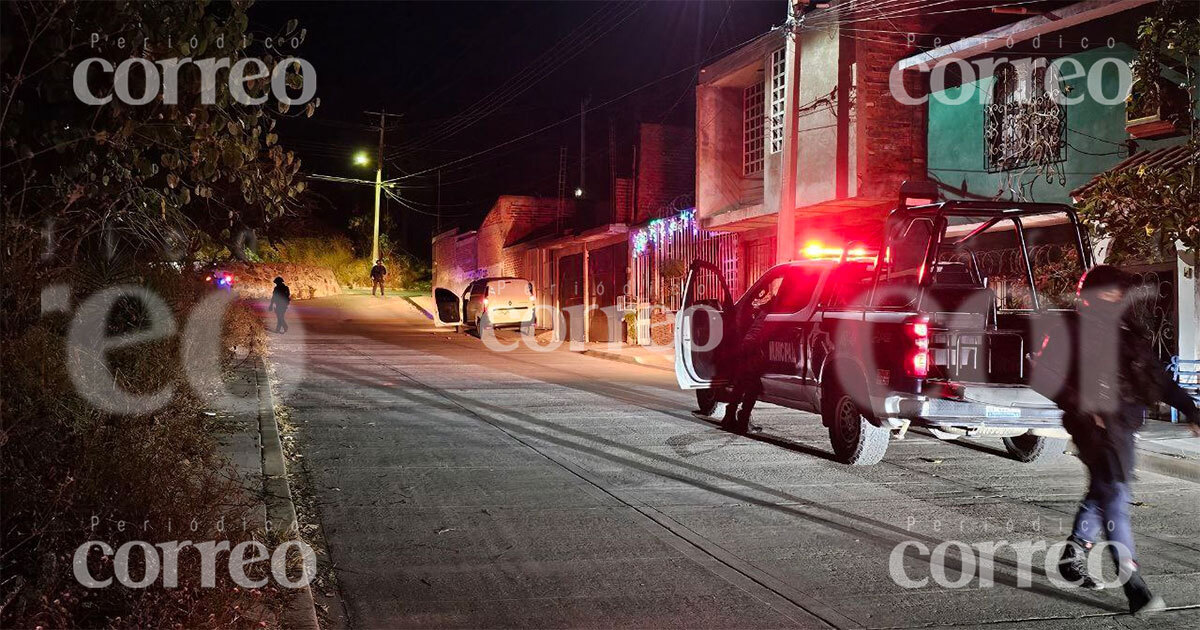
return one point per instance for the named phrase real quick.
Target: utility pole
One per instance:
(785, 231)
(378, 180)
(580, 191)
(438, 225)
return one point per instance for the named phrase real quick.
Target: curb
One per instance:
(623, 358)
(419, 308)
(301, 611)
(1184, 468)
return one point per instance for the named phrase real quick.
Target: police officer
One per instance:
(378, 273)
(1104, 399)
(748, 364)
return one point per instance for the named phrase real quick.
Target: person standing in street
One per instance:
(378, 273)
(1104, 395)
(749, 365)
(281, 297)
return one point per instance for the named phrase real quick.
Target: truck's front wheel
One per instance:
(855, 440)
(1035, 448)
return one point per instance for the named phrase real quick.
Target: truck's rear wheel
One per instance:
(855, 440)
(1035, 448)
(706, 400)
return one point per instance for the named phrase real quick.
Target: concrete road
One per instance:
(459, 487)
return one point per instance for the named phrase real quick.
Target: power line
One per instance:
(563, 51)
(576, 115)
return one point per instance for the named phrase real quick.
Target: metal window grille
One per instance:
(1023, 125)
(752, 130)
(778, 88)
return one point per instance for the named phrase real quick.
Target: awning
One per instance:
(1166, 158)
(1004, 37)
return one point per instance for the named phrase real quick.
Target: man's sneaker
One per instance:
(1073, 567)
(1142, 603)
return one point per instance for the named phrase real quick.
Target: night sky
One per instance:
(468, 76)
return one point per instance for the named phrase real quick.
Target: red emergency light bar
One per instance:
(815, 250)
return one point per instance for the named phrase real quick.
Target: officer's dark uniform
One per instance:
(281, 298)
(749, 365)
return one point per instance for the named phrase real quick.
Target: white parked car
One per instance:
(487, 303)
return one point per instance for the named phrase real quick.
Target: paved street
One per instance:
(459, 487)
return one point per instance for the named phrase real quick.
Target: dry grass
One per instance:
(64, 462)
(337, 254)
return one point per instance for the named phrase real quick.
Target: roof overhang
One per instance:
(740, 220)
(1006, 36)
(727, 69)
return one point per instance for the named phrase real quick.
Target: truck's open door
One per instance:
(704, 329)
(448, 307)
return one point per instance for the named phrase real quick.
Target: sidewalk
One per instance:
(252, 445)
(660, 357)
(1169, 449)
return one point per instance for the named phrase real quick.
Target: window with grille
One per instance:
(1023, 125)
(752, 130)
(778, 88)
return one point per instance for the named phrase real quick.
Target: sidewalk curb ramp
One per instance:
(301, 612)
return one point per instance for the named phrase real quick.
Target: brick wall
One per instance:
(511, 219)
(891, 140)
(666, 168)
(454, 259)
(623, 200)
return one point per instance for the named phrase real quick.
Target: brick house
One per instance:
(459, 258)
(854, 144)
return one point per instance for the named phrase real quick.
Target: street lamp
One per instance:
(361, 159)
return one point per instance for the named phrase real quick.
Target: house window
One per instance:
(752, 130)
(778, 87)
(1023, 125)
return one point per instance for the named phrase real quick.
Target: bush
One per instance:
(64, 462)
(337, 253)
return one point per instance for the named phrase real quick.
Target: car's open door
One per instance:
(447, 307)
(704, 329)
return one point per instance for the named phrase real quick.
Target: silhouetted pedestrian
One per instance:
(1110, 380)
(378, 273)
(281, 297)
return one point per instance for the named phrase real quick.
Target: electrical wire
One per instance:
(576, 115)
(548, 62)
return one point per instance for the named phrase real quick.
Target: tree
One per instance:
(1150, 211)
(154, 180)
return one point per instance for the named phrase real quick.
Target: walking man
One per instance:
(281, 297)
(1107, 388)
(378, 273)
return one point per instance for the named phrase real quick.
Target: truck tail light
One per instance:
(917, 362)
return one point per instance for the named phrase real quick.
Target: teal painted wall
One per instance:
(1094, 134)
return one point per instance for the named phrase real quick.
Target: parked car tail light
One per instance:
(917, 362)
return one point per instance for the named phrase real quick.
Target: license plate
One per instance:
(1002, 412)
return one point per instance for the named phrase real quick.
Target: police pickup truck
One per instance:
(933, 328)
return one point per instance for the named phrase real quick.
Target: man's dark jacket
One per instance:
(1104, 413)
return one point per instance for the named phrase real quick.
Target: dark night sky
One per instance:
(431, 61)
